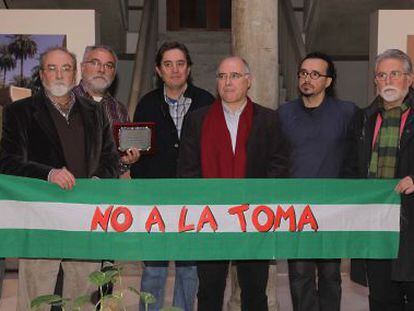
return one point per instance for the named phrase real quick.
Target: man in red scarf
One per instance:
(233, 138)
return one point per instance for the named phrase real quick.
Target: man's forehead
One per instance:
(173, 55)
(314, 64)
(231, 65)
(58, 57)
(101, 54)
(390, 64)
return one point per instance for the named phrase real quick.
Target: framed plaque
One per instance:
(140, 135)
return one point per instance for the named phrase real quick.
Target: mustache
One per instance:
(390, 88)
(99, 77)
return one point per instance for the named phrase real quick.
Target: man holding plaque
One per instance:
(233, 138)
(167, 107)
(98, 70)
(59, 137)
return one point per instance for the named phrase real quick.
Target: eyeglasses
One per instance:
(98, 64)
(169, 64)
(393, 75)
(314, 75)
(232, 76)
(64, 69)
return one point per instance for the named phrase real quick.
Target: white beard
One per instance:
(391, 94)
(58, 89)
(98, 84)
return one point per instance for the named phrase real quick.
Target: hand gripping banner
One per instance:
(199, 219)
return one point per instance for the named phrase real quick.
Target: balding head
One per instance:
(233, 81)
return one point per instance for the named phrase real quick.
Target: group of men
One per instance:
(198, 136)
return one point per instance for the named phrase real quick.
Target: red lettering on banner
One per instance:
(207, 217)
(269, 221)
(126, 224)
(182, 227)
(239, 211)
(307, 218)
(101, 219)
(155, 218)
(289, 213)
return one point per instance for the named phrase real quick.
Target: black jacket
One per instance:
(364, 125)
(153, 108)
(30, 143)
(267, 149)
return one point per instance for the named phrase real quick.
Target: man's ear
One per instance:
(328, 82)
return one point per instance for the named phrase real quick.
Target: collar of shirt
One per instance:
(64, 112)
(232, 122)
(180, 100)
(82, 91)
(97, 98)
(237, 113)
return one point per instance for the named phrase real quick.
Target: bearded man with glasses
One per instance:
(98, 71)
(384, 138)
(59, 137)
(317, 126)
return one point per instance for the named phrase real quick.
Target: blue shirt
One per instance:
(318, 137)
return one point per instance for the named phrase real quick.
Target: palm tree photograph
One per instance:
(19, 57)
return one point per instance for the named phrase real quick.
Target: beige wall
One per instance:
(388, 30)
(78, 25)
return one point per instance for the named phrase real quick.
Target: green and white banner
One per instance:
(199, 219)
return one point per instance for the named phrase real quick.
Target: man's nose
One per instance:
(388, 80)
(175, 68)
(59, 74)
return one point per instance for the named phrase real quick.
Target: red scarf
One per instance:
(217, 158)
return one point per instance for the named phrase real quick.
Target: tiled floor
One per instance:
(354, 297)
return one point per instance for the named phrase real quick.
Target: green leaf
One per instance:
(111, 274)
(98, 278)
(110, 302)
(110, 298)
(46, 299)
(147, 298)
(80, 301)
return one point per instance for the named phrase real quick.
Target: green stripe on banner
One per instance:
(189, 246)
(36, 243)
(203, 191)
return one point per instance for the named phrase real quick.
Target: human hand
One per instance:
(405, 185)
(62, 177)
(132, 155)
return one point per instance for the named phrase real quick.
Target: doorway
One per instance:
(211, 15)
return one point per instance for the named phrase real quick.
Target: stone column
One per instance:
(255, 38)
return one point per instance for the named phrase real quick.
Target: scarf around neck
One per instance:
(217, 157)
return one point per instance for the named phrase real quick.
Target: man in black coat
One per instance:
(234, 138)
(384, 136)
(168, 106)
(58, 137)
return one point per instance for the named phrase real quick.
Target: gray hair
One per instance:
(245, 63)
(395, 54)
(91, 48)
(53, 49)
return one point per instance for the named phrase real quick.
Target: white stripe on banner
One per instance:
(219, 218)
